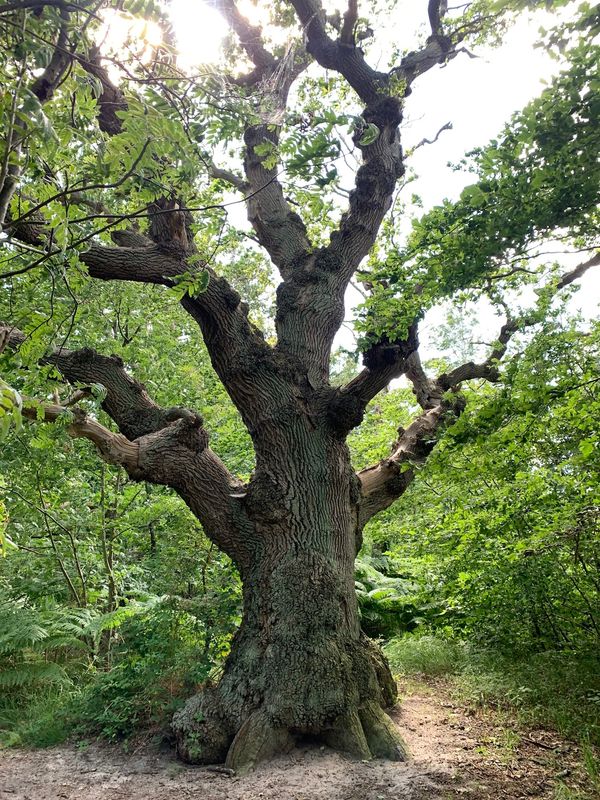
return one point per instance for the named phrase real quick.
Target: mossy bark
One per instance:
(299, 664)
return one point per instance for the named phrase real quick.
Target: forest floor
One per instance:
(456, 751)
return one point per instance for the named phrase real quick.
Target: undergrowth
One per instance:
(59, 678)
(560, 690)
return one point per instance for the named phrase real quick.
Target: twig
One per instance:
(446, 127)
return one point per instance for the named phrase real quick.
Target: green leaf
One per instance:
(369, 135)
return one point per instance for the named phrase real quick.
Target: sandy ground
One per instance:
(454, 753)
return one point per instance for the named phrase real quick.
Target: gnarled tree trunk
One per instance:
(299, 665)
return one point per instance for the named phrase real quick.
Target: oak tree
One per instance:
(119, 166)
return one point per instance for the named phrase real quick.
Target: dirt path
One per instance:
(455, 753)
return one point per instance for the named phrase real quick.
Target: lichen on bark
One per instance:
(299, 666)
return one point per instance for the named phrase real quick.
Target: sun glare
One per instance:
(199, 30)
(121, 33)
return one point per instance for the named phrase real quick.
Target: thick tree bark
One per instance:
(299, 665)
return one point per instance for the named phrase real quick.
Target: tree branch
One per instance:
(579, 271)
(386, 481)
(167, 446)
(126, 401)
(423, 142)
(43, 88)
(113, 447)
(220, 174)
(383, 363)
(349, 23)
(436, 9)
(177, 456)
(234, 344)
(111, 99)
(250, 36)
(311, 297)
(427, 391)
(339, 55)
(279, 229)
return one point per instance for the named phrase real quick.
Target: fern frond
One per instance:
(26, 674)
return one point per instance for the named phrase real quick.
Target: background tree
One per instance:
(124, 181)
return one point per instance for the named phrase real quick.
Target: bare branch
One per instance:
(114, 447)
(427, 390)
(280, 230)
(339, 55)
(234, 344)
(579, 271)
(111, 100)
(383, 363)
(384, 482)
(147, 264)
(177, 456)
(350, 19)
(446, 127)
(168, 446)
(250, 36)
(220, 174)
(126, 401)
(436, 9)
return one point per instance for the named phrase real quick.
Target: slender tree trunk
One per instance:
(299, 665)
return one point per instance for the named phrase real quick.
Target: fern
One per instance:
(26, 674)
(387, 603)
(114, 619)
(33, 640)
(27, 635)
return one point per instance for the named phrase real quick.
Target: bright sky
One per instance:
(476, 96)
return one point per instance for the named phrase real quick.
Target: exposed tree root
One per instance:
(381, 734)
(201, 733)
(241, 728)
(257, 740)
(385, 679)
(348, 736)
(295, 670)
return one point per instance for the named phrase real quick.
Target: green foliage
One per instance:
(40, 652)
(34, 642)
(5, 542)
(380, 427)
(40, 718)
(426, 655)
(387, 602)
(115, 606)
(52, 664)
(10, 408)
(190, 283)
(540, 178)
(500, 530)
(162, 656)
